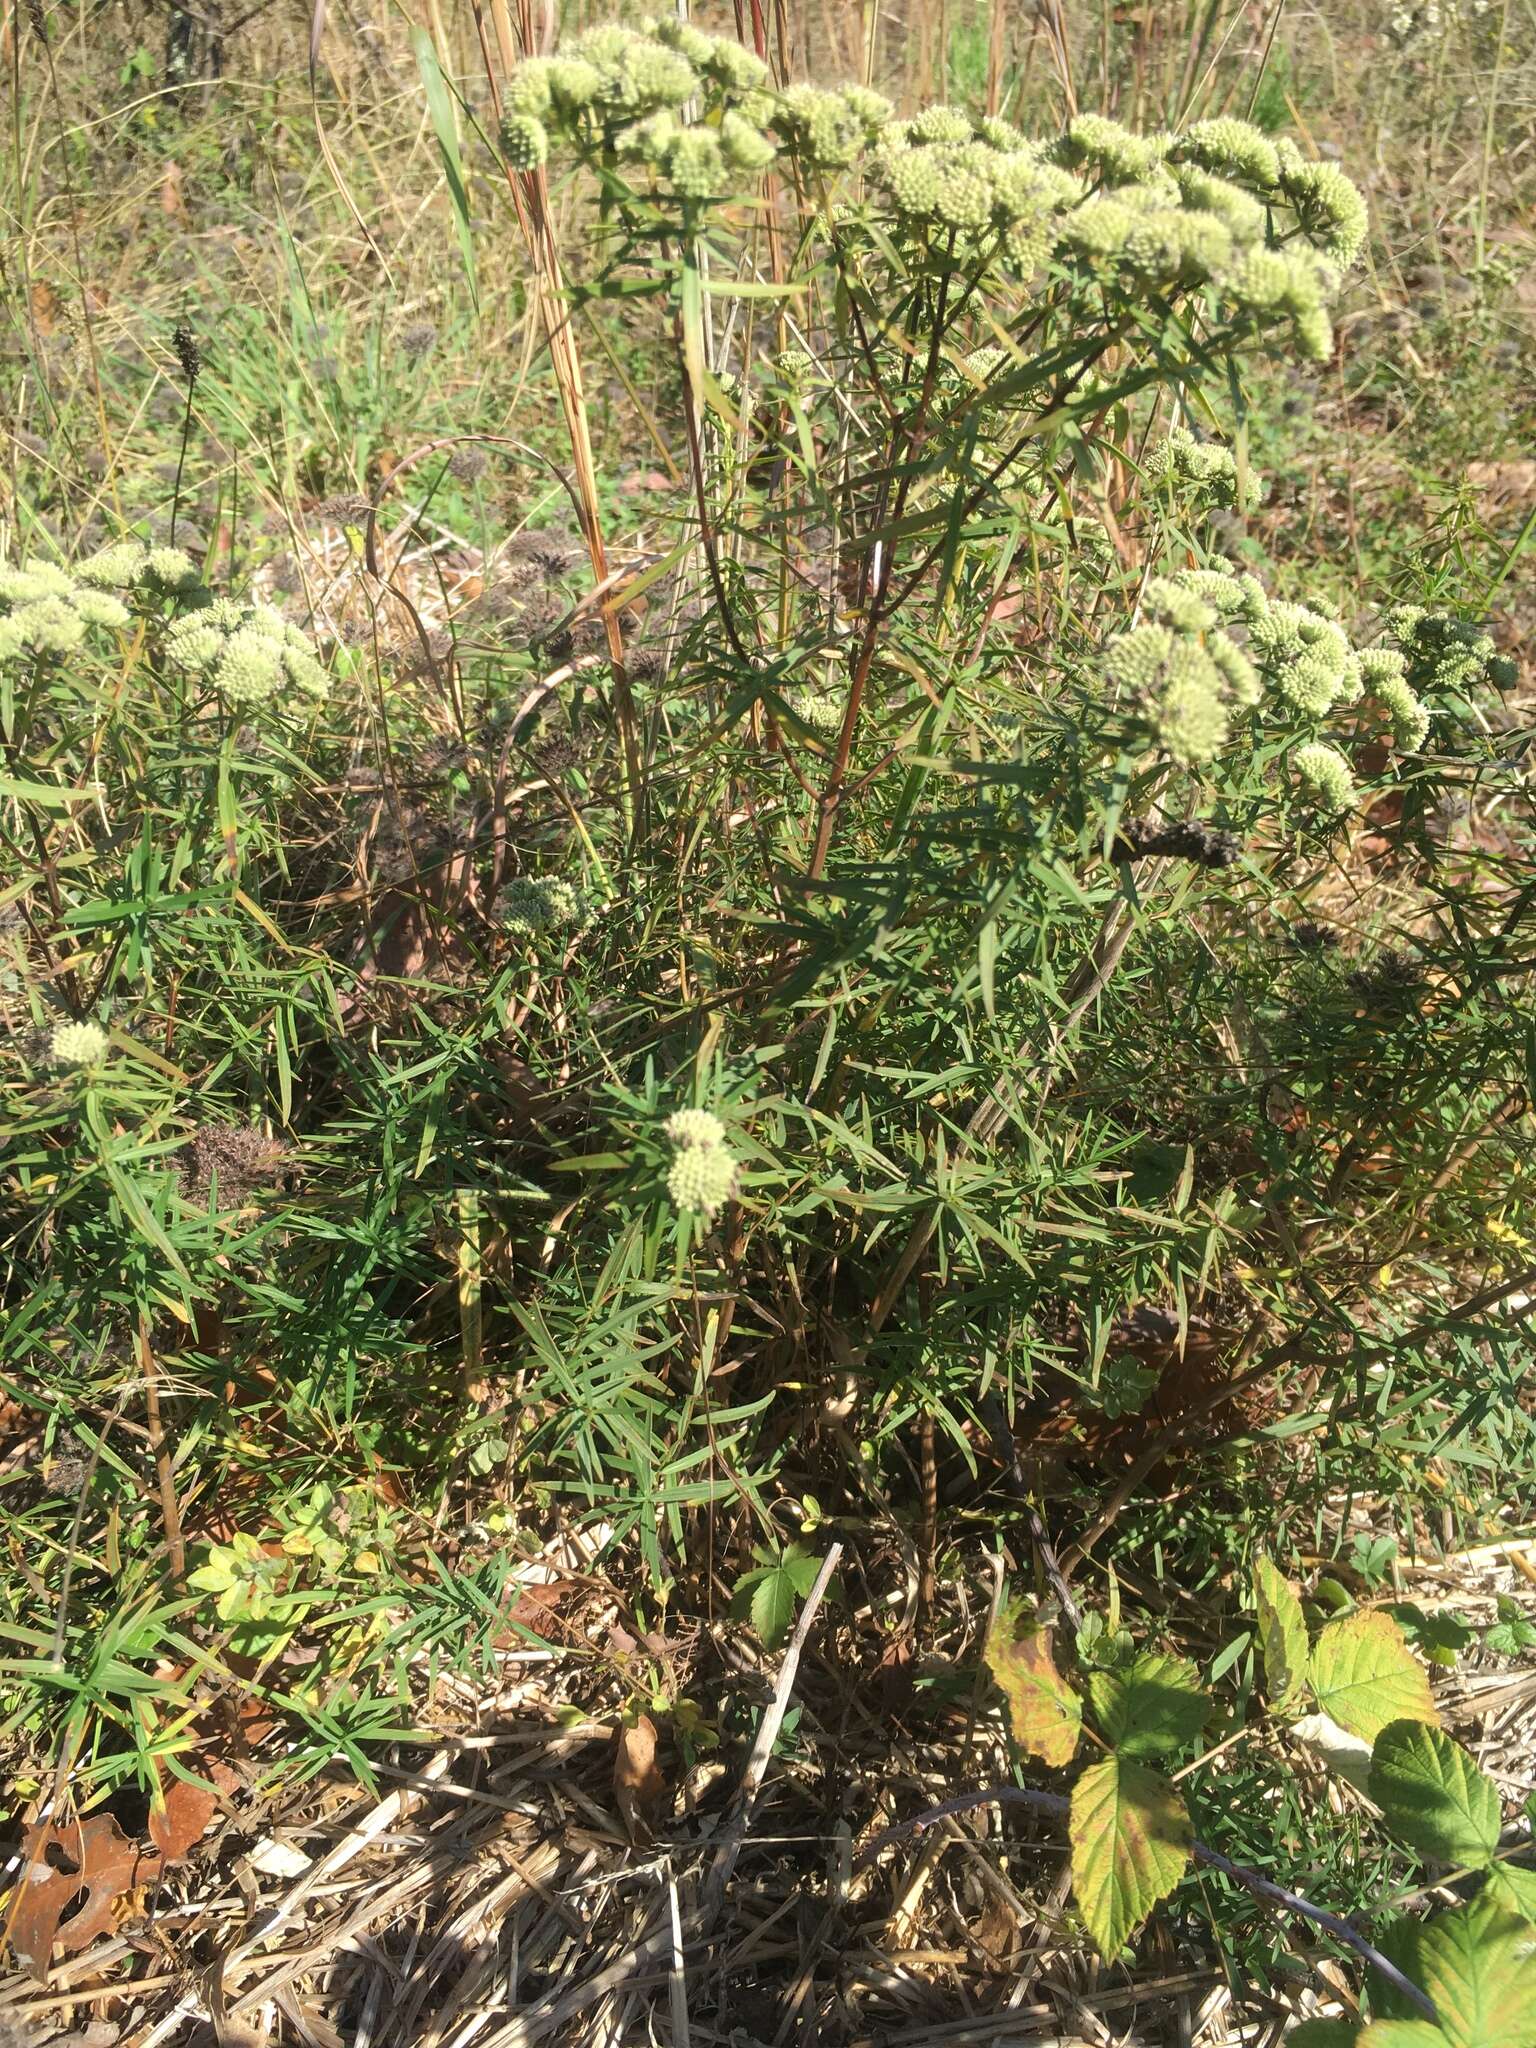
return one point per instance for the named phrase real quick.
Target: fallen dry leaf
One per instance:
(638, 1785)
(173, 200)
(177, 1826)
(1504, 481)
(71, 1876)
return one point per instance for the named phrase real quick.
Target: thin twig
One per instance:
(1058, 1807)
(165, 1470)
(736, 1827)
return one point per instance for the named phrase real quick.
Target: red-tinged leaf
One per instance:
(1044, 1712)
(1131, 1837)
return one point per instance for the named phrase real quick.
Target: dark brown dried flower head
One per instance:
(240, 1157)
(467, 463)
(188, 354)
(418, 340)
(1205, 845)
(351, 508)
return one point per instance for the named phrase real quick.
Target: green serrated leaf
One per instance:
(1282, 1637)
(1155, 1706)
(1365, 1676)
(770, 1594)
(1323, 2034)
(1131, 1837)
(773, 1606)
(1434, 1796)
(1394, 2034)
(1514, 1889)
(1477, 1965)
(1044, 1712)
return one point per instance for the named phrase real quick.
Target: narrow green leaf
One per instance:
(1131, 1838)
(46, 794)
(1365, 1675)
(1282, 1637)
(1044, 1712)
(1434, 1796)
(1155, 1706)
(446, 128)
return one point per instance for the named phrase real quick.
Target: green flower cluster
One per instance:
(1447, 657)
(48, 610)
(1212, 643)
(821, 710)
(1221, 206)
(44, 611)
(628, 94)
(1385, 674)
(1202, 474)
(1326, 776)
(82, 1045)
(530, 906)
(249, 652)
(129, 564)
(981, 186)
(828, 130)
(702, 1176)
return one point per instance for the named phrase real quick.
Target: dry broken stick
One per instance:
(1058, 1807)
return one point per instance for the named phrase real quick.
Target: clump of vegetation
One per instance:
(959, 997)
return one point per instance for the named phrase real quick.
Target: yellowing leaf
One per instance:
(1044, 1712)
(1156, 1705)
(1514, 1889)
(1478, 1966)
(1434, 1796)
(1401, 2034)
(1282, 1637)
(1131, 1837)
(1365, 1675)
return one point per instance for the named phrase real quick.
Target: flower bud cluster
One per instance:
(982, 186)
(80, 1045)
(1210, 643)
(46, 610)
(821, 710)
(1182, 669)
(1326, 776)
(1445, 656)
(702, 1176)
(1221, 206)
(665, 97)
(1202, 474)
(1385, 673)
(531, 906)
(249, 652)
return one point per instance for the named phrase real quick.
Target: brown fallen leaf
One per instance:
(173, 200)
(71, 1876)
(176, 1827)
(639, 1788)
(47, 308)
